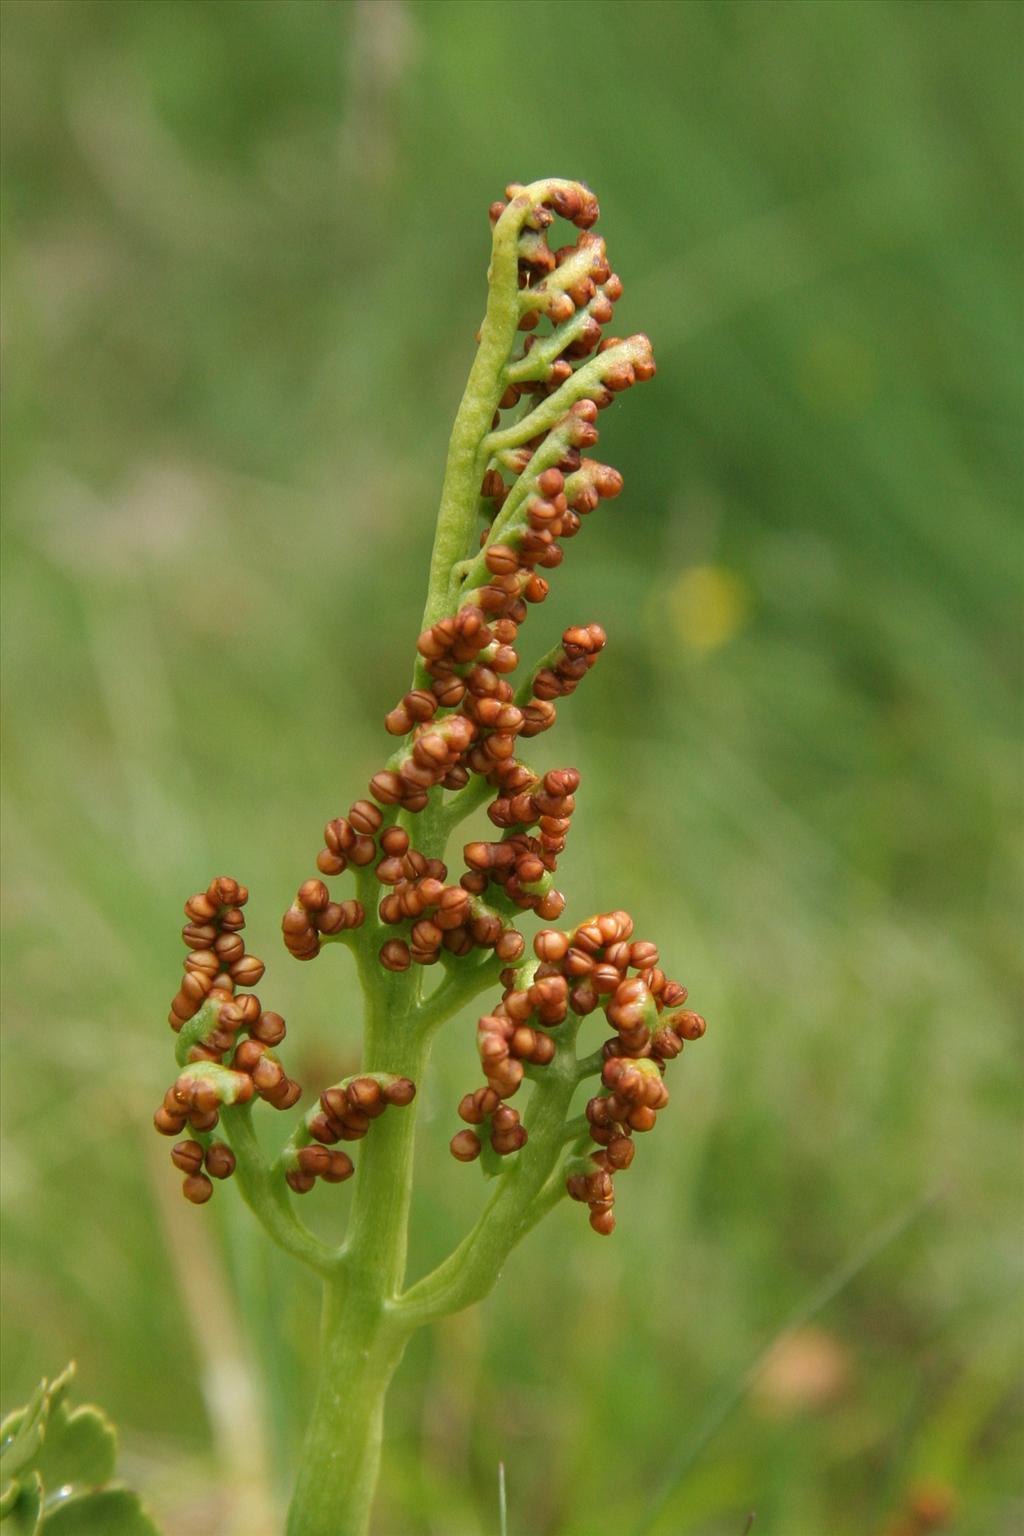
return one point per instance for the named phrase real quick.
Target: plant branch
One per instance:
(523, 1196)
(547, 454)
(266, 1194)
(546, 349)
(458, 988)
(580, 386)
(456, 518)
(476, 793)
(589, 1066)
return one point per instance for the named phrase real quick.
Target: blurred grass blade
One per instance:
(832, 1286)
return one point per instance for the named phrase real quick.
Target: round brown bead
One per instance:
(269, 1028)
(365, 1093)
(301, 1182)
(197, 1188)
(465, 1146)
(401, 1092)
(386, 787)
(510, 946)
(203, 1119)
(247, 1054)
(550, 945)
(247, 971)
(339, 1168)
(338, 835)
(365, 817)
(363, 851)
(331, 919)
(314, 1160)
(199, 935)
(395, 841)
(188, 1156)
(329, 863)
(395, 956)
(313, 895)
(267, 1075)
(219, 1160)
(285, 1095)
(690, 1026)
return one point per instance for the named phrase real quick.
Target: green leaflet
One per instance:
(80, 1447)
(21, 1434)
(21, 1517)
(113, 1511)
(56, 1465)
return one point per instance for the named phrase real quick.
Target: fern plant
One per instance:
(431, 927)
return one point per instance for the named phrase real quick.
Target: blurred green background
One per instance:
(245, 244)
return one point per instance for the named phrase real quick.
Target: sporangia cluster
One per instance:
(460, 731)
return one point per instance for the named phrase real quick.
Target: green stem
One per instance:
(460, 986)
(360, 1344)
(456, 518)
(265, 1193)
(359, 1354)
(525, 691)
(476, 793)
(587, 378)
(545, 350)
(589, 1066)
(525, 1193)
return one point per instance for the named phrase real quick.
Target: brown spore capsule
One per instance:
(602, 1219)
(339, 1168)
(197, 1188)
(219, 1160)
(465, 1146)
(188, 1156)
(169, 1124)
(394, 955)
(400, 1092)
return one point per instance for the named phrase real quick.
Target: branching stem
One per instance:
(471, 1270)
(456, 518)
(267, 1196)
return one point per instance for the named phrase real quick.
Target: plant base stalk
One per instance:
(360, 1350)
(361, 1342)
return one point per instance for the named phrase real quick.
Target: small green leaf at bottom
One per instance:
(80, 1447)
(21, 1518)
(112, 1511)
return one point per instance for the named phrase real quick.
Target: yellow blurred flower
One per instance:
(709, 604)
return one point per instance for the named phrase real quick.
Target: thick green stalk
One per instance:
(360, 1342)
(359, 1352)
